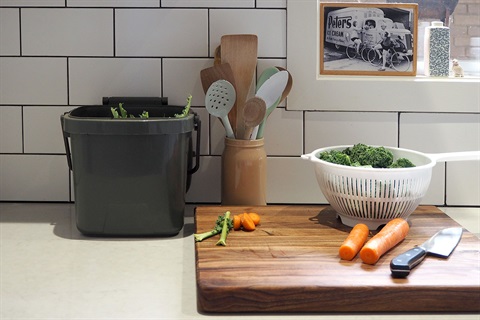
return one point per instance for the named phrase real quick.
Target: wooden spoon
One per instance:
(217, 56)
(253, 114)
(289, 85)
(240, 51)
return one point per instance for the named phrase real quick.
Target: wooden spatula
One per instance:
(217, 57)
(240, 51)
(221, 71)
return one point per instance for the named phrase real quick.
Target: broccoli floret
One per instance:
(377, 157)
(335, 156)
(356, 150)
(362, 155)
(402, 163)
(223, 223)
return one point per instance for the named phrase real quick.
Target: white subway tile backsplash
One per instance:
(447, 132)
(113, 3)
(68, 53)
(181, 77)
(463, 183)
(292, 180)
(271, 3)
(10, 129)
(217, 136)
(324, 129)
(161, 32)
(43, 132)
(34, 178)
(9, 31)
(33, 80)
(206, 182)
(283, 133)
(67, 32)
(269, 25)
(440, 132)
(32, 3)
(208, 3)
(436, 191)
(94, 78)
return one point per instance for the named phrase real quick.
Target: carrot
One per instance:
(237, 222)
(391, 234)
(354, 242)
(247, 223)
(255, 218)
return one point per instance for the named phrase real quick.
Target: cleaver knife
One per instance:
(440, 245)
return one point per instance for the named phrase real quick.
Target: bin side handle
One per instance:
(66, 135)
(197, 127)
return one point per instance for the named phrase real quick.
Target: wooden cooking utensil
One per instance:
(240, 51)
(253, 115)
(289, 85)
(217, 56)
(217, 72)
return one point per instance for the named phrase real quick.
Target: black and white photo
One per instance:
(368, 39)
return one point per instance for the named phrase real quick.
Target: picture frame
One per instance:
(377, 39)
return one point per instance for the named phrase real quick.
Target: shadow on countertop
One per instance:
(61, 216)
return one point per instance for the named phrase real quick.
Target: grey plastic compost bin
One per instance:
(130, 176)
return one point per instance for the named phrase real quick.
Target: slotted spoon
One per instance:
(219, 100)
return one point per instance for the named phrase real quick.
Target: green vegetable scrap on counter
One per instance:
(223, 225)
(361, 155)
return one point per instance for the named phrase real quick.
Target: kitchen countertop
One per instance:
(48, 270)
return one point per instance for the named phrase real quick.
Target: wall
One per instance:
(56, 55)
(465, 26)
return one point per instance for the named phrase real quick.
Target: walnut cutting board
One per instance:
(290, 263)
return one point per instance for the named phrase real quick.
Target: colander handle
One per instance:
(307, 156)
(455, 156)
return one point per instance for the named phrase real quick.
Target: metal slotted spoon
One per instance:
(219, 100)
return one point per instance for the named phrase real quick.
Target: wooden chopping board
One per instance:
(290, 263)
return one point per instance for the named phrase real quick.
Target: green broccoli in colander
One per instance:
(335, 156)
(402, 163)
(362, 155)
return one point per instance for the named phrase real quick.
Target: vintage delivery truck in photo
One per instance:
(367, 22)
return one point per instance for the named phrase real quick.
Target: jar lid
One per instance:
(437, 24)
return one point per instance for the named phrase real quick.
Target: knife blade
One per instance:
(441, 245)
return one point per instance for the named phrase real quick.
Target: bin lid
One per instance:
(99, 120)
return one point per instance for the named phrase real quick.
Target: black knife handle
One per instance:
(402, 264)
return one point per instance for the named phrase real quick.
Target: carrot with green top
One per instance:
(354, 242)
(391, 234)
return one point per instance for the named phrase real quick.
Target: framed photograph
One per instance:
(368, 39)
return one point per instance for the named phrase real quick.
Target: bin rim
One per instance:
(102, 124)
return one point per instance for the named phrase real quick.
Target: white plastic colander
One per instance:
(375, 196)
